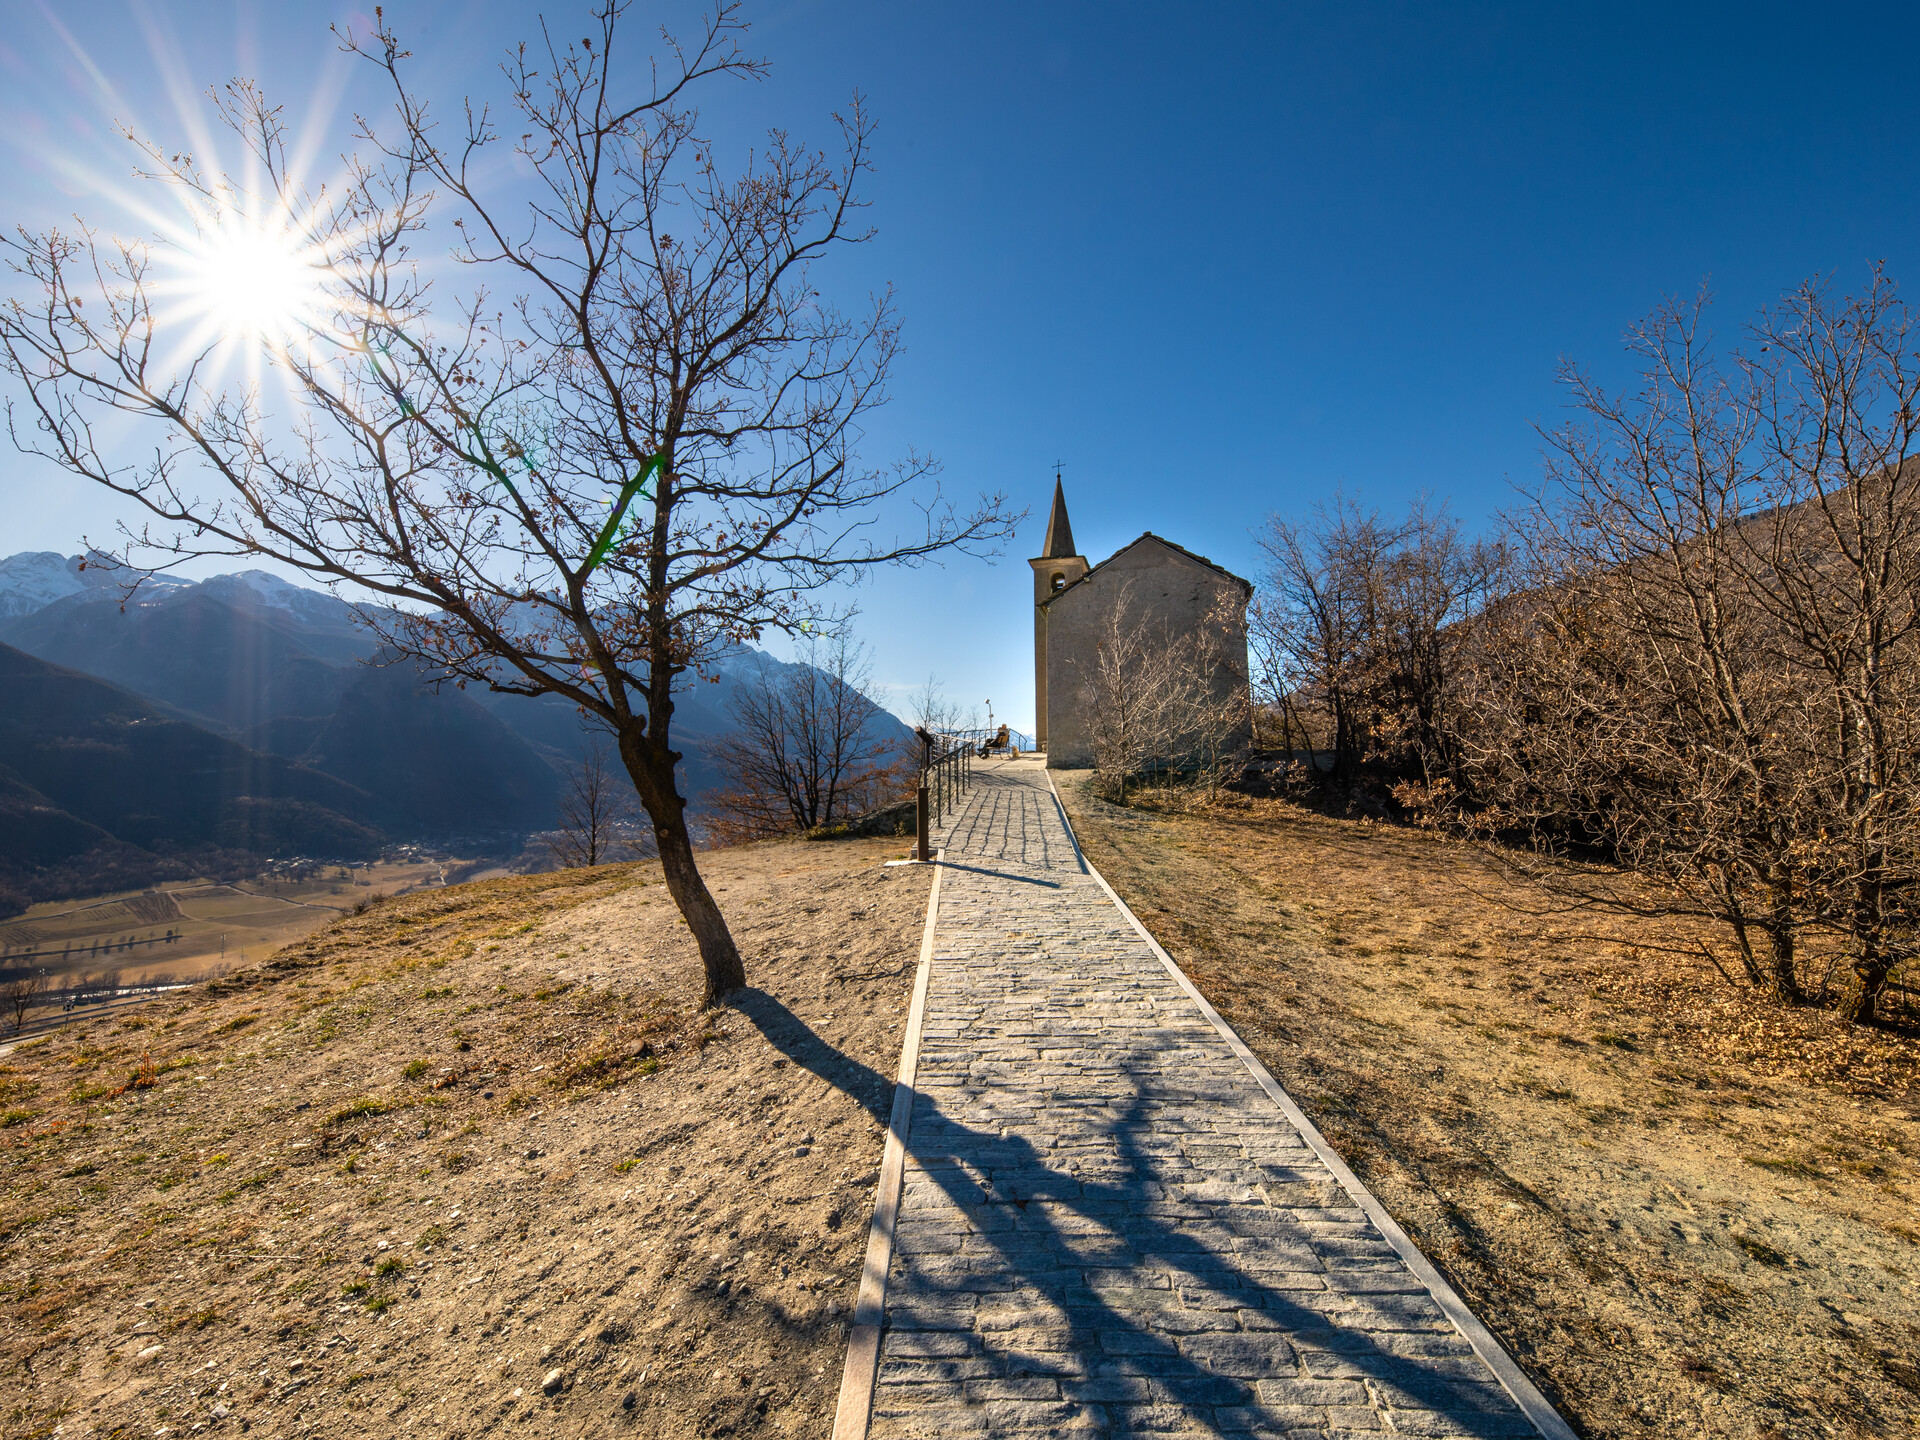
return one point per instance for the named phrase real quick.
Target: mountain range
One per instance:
(245, 715)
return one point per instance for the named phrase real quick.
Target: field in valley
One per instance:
(1685, 1211)
(190, 931)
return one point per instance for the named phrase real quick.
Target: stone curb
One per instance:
(1535, 1406)
(869, 1311)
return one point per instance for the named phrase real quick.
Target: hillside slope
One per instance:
(470, 1163)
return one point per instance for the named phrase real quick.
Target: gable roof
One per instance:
(1146, 535)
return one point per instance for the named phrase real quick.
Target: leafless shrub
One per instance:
(804, 751)
(597, 813)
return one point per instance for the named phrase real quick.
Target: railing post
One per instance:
(921, 852)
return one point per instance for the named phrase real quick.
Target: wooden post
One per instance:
(922, 853)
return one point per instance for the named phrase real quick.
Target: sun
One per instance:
(252, 278)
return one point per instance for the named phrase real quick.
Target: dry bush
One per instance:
(1168, 711)
(804, 751)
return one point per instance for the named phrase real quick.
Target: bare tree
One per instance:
(1215, 720)
(804, 751)
(1356, 631)
(1128, 687)
(1713, 670)
(1171, 707)
(1835, 564)
(596, 810)
(21, 994)
(933, 711)
(1671, 719)
(641, 453)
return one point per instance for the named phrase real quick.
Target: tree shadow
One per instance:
(1127, 1295)
(1000, 874)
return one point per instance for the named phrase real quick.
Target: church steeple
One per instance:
(1059, 544)
(1054, 569)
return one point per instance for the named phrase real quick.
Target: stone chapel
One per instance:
(1157, 585)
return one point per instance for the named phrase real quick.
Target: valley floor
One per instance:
(188, 931)
(1686, 1213)
(468, 1162)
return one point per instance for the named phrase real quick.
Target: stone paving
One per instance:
(1107, 1227)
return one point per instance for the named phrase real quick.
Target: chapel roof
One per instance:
(1246, 585)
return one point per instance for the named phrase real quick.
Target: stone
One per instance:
(1106, 1223)
(553, 1381)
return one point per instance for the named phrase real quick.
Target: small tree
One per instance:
(1712, 670)
(1357, 633)
(642, 454)
(596, 808)
(804, 750)
(933, 711)
(1834, 563)
(1210, 701)
(1131, 686)
(21, 994)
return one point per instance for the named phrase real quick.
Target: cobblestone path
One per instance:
(1107, 1226)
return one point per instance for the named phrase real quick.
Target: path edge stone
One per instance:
(857, 1379)
(1534, 1405)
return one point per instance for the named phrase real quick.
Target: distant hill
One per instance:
(287, 671)
(93, 778)
(231, 650)
(288, 674)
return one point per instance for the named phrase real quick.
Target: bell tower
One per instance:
(1055, 568)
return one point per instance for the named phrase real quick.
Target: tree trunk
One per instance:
(1871, 971)
(1872, 961)
(1780, 938)
(719, 956)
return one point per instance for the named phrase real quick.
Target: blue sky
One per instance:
(1217, 260)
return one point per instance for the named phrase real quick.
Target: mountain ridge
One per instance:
(297, 675)
(98, 779)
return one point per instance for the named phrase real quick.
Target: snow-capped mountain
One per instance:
(35, 579)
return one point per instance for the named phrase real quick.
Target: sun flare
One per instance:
(253, 278)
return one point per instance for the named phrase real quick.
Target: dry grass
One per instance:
(472, 1160)
(1686, 1211)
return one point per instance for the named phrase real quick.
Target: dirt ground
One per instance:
(1685, 1212)
(472, 1160)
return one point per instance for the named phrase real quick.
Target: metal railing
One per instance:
(1000, 739)
(946, 768)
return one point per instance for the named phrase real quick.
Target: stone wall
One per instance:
(1161, 590)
